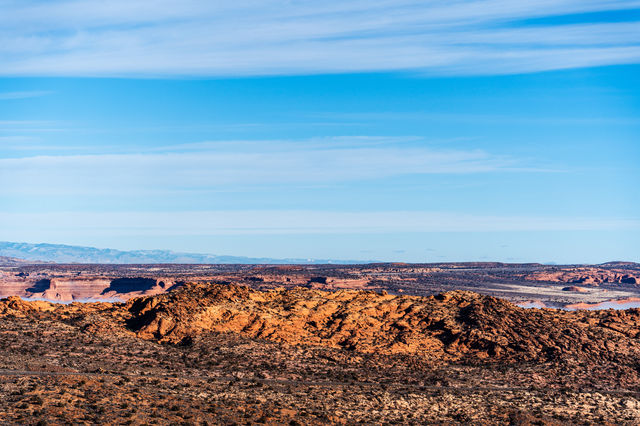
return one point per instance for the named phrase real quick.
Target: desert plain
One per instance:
(455, 343)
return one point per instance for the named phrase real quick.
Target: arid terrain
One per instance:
(553, 286)
(377, 343)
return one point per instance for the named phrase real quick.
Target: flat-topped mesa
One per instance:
(452, 326)
(69, 289)
(588, 275)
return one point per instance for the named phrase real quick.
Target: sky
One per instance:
(418, 131)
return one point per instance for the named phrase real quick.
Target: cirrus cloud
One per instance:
(228, 164)
(271, 37)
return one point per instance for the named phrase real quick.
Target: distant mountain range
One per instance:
(60, 253)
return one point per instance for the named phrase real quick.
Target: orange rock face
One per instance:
(69, 289)
(450, 326)
(586, 275)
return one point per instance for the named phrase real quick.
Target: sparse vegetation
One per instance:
(85, 364)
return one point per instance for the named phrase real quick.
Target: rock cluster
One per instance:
(586, 275)
(215, 353)
(450, 326)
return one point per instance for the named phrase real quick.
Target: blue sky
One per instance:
(386, 130)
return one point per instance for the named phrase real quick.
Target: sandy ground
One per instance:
(555, 292)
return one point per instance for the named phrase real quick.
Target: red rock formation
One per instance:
(585, 275)
(575, 289)
(69, 289)
(451, 326)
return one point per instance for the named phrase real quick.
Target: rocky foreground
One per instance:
(222, 353)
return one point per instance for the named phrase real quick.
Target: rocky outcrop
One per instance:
(451, 326)
(586, 275)
(17, 307)
(575, 289)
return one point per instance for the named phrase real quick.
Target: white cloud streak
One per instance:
(270, 222)
(231, 164)
(23, 95)
(197, 38)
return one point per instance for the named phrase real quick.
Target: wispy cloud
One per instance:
(265, 222)
(551, 119)
(239, 163)
(24, 95)
(190, 37)
(23, 123)
(29, 126)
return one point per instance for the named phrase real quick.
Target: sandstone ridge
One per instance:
(451, 326)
